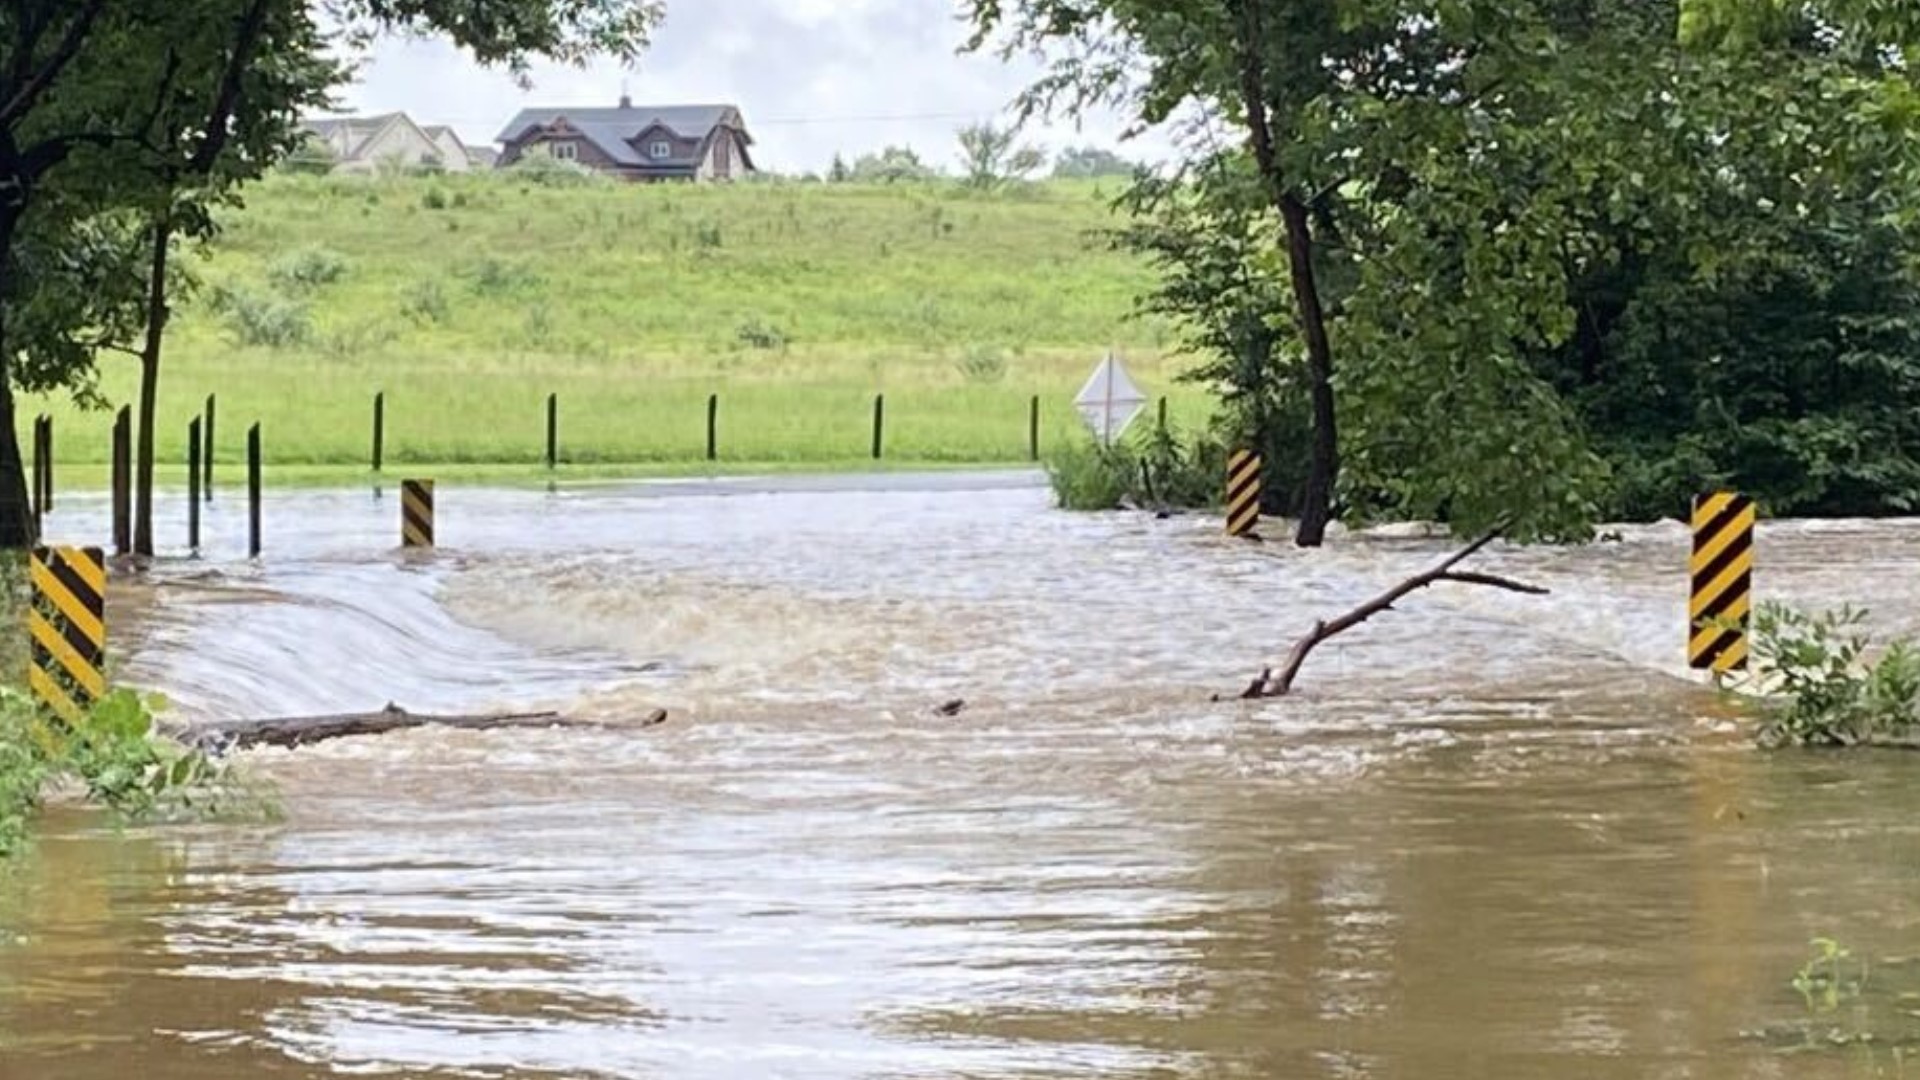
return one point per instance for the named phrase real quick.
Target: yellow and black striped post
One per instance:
(416, 513)
(1243, 493)
(67, 623)
(1722, 596)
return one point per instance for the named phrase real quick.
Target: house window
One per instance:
(564, 151)
(660, 149)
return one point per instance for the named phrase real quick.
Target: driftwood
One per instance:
(292, 731)
(1269, 685)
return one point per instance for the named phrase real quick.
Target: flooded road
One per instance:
(1493, 836)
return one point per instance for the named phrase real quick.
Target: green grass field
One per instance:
(468, 299)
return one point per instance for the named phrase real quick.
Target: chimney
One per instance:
(625, 101)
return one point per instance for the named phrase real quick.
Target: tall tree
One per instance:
(116, 106)
(991, 155)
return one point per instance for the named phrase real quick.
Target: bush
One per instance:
(1816, 689)
(1159, 472)
(308, 268)
(116, 756)
(1087, 476)
(434, 199)
(264, 319)
(498, 277)
(425, 302)
(552, 172)
(756, 333)
(982, 364)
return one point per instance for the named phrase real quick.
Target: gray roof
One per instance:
(610, 129)
(357, 129)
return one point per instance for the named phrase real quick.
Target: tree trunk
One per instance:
(1316, 507)
(17, 531)
(150, 386)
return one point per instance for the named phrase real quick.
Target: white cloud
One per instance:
(813, 78)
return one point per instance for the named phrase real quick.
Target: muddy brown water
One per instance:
(1494, 836)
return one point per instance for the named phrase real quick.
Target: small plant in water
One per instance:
(1817, 688)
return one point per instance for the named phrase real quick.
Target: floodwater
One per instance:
(1492, 836)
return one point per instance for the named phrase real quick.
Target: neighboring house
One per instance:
(455, 155)
(391, 140)
(636, 142)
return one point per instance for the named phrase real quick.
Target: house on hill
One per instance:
(636, 142)
(367, 143)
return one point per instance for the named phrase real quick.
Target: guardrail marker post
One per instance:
(253, 491)
(123, 481)
(879, 422)
(713, 427)
(416, 513)
(379, 427)
(193, 485)
(67, 628)
(1720, 602)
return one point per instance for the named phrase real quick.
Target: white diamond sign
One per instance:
(1109, 401)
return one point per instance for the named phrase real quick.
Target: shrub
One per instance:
(707, 235)
(425, 302)
(118, 758)
(434, 199)
(1159, 472)
(264, 319)
(498, 277)
(1815, 688)
(1086, 476)
(756, 333)
(982, 364)
(549, 171)
(307, 268)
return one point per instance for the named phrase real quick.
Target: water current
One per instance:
(1492, 836)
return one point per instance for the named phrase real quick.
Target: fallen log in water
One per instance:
(292, 731)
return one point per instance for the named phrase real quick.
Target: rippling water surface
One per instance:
(1494, 836)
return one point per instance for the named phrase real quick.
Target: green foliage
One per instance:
(1154, 470)
(1090, 163)
(1830, 978)
(982, 364)
(990, 156)
(549, 171)
(116, 756)
(755, 332)
(894, 164)
(1819, 689)
(310, 157)
(425, 302)
(307, 269)
(493, 277)
(434, 199)
(265, 319)
(1088, 476)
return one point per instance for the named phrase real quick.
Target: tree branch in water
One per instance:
(1268, 684)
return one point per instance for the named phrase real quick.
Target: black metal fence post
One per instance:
(206, 457)
(713, 427)
(379, 428)
(193, 485)
(123, 481)
(1033, 429)
(879, 422)
(253, 491)
(553, 431)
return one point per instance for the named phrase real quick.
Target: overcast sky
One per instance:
(812, 77)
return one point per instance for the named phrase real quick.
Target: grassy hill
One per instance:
(469, 299)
